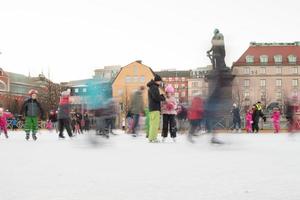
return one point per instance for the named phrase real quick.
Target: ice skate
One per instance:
(27, 137)
(34, 137)
(174, 140)
(216, 141)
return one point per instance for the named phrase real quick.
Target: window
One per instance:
(182, 79)
(278, 59)
(292, 59)
(182, 94)
(246, 95)
(246, 82)
(142, 79)
(295, 82)
(176, 94)
(263, 95)
(135, 79)
(164, 79)
(278, 70)
(249, 59)
(247, 70)
(263, 83)
(183, 86)
(263, 70)
(120, 92)
(195, 84)
(278, 82)
(264, 59)
(84, 90)
(295, 70)
(176, 78)
(278, 95)
(170, 79)
(176, 86)
(135, 70)
(127, 79)
(2, 86)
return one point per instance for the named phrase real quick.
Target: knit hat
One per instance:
(32, 91)
(65, 93)
(169, 89)
(157, 78)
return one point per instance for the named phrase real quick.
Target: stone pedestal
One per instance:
(219, 101)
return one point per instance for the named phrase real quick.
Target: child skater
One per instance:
(276, 120)
(3, 121)
(169, 113)
(249, 121)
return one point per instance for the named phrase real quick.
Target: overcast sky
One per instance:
(74, 37)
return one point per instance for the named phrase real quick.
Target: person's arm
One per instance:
(154, 92)
(40, 108)
(23, 108)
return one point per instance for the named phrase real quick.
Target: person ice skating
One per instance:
(3, 121)
(87, 121)
(63, 114)
(256, 115)
(137, 108)
(78, 120)
(53, 120)
(147, 122)
(154, 98)
(236, 118)
(249, 121)
(32, 109)
(181, 117)
(276, 119)
(14, 123)
(169, 113)
(195, 115)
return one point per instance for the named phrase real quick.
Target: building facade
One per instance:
(267, 72)
(129, 79)
(197, 84)
(108, 73)
(179, 80)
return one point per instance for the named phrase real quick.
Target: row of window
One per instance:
(278, 82)
(77, 90)
(263, 70)
(174, 79)
(277, 59)
(134, 79)
(263, 95)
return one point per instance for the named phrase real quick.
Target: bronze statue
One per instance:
(217, 56)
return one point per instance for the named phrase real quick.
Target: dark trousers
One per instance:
(62, 124)
(194, 126)
(236, 124)
(255, 126)
(169, 123)
(136, 118)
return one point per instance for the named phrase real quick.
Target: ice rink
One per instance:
(246, 167)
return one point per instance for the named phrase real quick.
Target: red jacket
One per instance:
(196, 109)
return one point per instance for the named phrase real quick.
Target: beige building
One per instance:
(129, 79)
(267, 72)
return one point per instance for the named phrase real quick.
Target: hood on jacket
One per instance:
(151, 83)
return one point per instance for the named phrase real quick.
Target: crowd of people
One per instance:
(161, 102)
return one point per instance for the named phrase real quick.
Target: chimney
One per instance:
(139, 61)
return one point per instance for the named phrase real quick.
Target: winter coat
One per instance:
(195, 111)
(248, 117)
(154, 97)
(3, 119)
(32, 108)
(236, 114)
(53, 118)
(137, 103)
(181, 112)
(64, 108)
(276, 116)
(257, 114)
(169, 106)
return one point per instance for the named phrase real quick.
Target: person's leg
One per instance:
(5, 131)
(135, 123)
(154, 125)
(27, 127)
(61, 128)
(165, 126)
(68, 128)
(173, 127)
(35, 127)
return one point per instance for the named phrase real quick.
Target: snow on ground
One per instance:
(247, 167)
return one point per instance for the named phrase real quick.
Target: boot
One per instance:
(27, 136)
(34, 137)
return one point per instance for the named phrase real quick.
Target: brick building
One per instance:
(267, 72)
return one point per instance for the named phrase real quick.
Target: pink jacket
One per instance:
(169, 106)
(3, 119)
(276, 116)
(249, 117)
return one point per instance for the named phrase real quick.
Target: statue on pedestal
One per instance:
(217, 52)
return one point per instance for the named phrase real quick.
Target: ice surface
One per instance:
(265, 166)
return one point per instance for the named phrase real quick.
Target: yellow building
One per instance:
(129, 79)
